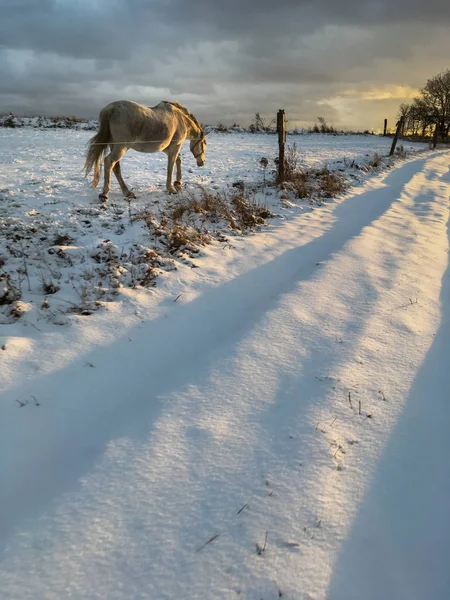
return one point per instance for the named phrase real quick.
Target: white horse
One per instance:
(126, 125)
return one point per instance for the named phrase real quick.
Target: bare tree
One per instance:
(404, 111)
(436, 97)
(424, 117)
(430, 109)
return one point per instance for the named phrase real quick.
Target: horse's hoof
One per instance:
(102, 197)
(171, 190)
(177, 185)
(130, 196)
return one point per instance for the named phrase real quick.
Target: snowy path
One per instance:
(276, 391)
(400, 542)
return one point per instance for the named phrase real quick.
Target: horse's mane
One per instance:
(186, 112)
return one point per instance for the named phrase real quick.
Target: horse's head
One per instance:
(198, 149)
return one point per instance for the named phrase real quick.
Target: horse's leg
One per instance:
(177, 184)
(126, 192)
(172, 155)
(107, 166)
(113, 157)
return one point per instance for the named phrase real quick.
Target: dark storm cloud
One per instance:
(227, 59)
(112, 28)
(233, 16)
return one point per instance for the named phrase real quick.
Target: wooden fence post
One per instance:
(385, 128)
(397, 134)
(281, 128)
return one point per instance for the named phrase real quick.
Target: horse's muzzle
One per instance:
(200, 162)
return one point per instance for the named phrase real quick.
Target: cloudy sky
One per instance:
(351, 61)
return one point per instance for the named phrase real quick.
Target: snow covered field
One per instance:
(271, 423)
(66, 253)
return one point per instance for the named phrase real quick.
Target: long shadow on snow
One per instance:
(399, 544)
(80, 413)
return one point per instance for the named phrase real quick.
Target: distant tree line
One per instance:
(430, 109)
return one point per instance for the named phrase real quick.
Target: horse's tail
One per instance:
(97, 148)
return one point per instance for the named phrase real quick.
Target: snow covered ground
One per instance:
(277, 431)
(65, 253)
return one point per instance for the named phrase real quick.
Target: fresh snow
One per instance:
(56, 236)
(277, 431)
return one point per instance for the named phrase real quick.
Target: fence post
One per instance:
(385, 128)
(396, 136)
(281, 128)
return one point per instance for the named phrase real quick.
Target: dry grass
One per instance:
(62, 239)
(299, 179)
(247, 212)
(48, 286)
(302, 184)
(400, 151)
(196, 200)
(331, 183)
(375, 162)
(174, 236)
(309, 183)
(9, 291)
(10, 295)
(185, 238)
(291, 162)
(184, 224)
(237, 209)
